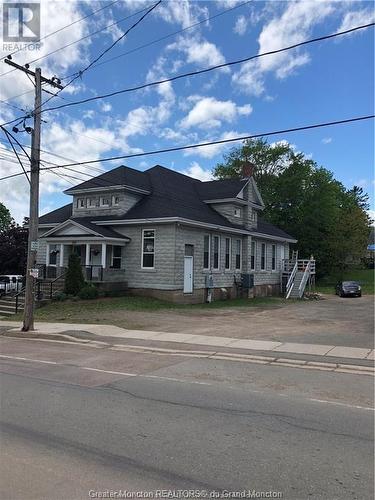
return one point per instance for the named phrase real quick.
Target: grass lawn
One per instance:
(364, 276)
(91, 311)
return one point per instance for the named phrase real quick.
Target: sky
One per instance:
(326, 81)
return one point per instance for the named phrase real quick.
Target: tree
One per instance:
(306, 201)
(5, 218)
(13, 250)
(74, 280)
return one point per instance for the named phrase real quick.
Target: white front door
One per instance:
(188, 274)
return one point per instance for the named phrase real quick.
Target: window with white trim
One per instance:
(81, 203)
(53, 251)
(273, 258)
(91, 202)
(253, 256)
(238, 254)
(216, 252)
(104, 201)
(115, 200)
(228, 252)
(237, 212)
(148, 248)
(206, 251)
(263, 256)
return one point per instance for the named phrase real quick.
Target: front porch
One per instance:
(101, 262)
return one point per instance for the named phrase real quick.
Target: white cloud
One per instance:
(327, 140)
(105, 107)
(294, 25)
(210, 113)
(214, 149)
(197, 172)
(357, 18)
(371, 214)
(198, 51)
(240, 26)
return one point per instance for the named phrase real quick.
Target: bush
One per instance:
(60, 296)
(74, 280)
(88, 292)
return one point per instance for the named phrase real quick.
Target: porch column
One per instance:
(47, 254)
(104, 255)
(87, 260)
(61, 255)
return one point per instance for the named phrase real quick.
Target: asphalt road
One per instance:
(76, 420)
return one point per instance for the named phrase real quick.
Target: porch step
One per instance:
(8, 306)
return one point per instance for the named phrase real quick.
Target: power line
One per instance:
(165, 37)
(206, 70)
(61, 29)
(211, 68)
(8, 136)
(89, 35)
(81, 72)
(212, 143)
(136, 49)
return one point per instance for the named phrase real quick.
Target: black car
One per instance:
(348, 289)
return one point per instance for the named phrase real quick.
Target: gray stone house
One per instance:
(163, 234)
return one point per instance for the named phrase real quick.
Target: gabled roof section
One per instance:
(120, 176)
(225, 188)
(83, 227)
(57, 216)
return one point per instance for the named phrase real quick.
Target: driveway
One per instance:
(333, 321)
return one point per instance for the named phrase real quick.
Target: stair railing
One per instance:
(290, 282)
(17, 298)
(54, 281)
(304, 279)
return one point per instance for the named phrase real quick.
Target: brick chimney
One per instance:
(247, 169)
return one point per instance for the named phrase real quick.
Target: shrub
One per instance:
(61, 296)
(74, 280)
(88, 292)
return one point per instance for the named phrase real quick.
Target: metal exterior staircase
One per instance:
(300, 273)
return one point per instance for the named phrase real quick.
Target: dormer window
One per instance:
(81, 203)
(115, 200)
(237, 212)
(104, 201)
(91, 202)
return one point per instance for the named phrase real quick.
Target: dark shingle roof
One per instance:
(57, 216)
(172, 195)
(103, 230)
(119, 176)
(226, 188)
(267, 228)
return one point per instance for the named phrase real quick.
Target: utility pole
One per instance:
(31, 272)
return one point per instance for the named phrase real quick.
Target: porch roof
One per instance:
(82, 223)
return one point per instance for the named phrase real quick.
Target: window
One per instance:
(206, 251)
(273, 258)
(263, 256)
(81, 203)
(252, 256)
(53, 251)
(148, 248)
(104, 201)
(116, 257)
(91, 202)
(238, 254)
(216, 252)
(227, 252)
(237, 212)
(115, 200)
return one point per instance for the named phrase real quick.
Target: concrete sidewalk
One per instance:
(203, 340)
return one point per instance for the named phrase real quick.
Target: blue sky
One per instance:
(330, 80)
